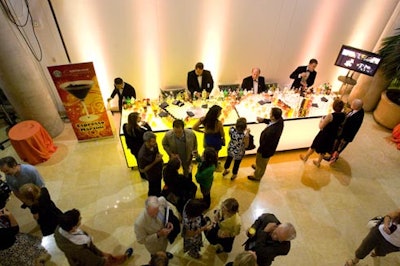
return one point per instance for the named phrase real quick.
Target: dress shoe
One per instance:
(253, 166)
(225, 172)
(129, 252)
(233, 177)
(252, 178)
(169, 255)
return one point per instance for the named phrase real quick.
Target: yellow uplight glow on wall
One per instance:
(147, 25)
(322, 23)
(90, 43)
(357, 38)
(214, 23)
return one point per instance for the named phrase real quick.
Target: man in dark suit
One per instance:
(269, 238)
(199, 80)
(254, 82)
(350, 127)
(304, 76)
(269, 140)
(122, 89)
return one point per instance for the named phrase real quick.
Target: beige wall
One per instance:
(152, 44)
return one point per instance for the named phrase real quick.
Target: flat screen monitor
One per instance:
(358, 60)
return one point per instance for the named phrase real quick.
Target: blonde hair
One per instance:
(245, 258)
(231, 205)
(30, 192)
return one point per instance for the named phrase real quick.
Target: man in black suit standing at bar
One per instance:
(123, 90)
(269, 140)
(254, 82)
(199, 80)
(304, 76)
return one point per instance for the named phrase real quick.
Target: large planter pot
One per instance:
(387, 113)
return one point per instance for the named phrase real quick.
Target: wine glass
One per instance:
(80, 89)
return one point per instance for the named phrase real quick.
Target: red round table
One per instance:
(31, 142)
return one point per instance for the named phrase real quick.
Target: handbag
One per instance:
(251, 143)
(376, 221)
(171, 218)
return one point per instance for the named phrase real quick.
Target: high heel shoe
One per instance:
(316, 163)
(350, 262)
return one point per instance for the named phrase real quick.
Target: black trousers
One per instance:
(236, 164)
(375, 241)
(154, 185)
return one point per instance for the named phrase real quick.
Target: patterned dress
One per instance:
(236, 147)
(191, 244)
(24, 250)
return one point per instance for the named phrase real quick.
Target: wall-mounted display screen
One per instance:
(358, 60)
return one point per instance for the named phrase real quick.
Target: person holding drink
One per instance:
(269, 238)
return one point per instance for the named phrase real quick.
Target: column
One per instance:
(23, 81)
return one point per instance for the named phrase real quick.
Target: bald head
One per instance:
(357, 104)
(255, 73)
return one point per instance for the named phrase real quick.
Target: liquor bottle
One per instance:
(204, 94)
(225, 93)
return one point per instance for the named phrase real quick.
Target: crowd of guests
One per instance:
(158, 225)
(17, 248)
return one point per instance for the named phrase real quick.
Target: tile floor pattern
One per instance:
(329, 206)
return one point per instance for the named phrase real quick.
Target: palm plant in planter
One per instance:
(390, 52)
(387, 112)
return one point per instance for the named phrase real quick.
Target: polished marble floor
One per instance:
(329, 206)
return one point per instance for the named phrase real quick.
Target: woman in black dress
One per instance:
(43, 209)
(178, 189)
(133, 132)
(329, 126)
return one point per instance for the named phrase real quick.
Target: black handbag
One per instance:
(251, 143)
(175, 222)
(376, 221)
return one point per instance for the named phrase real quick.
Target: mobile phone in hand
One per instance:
(392, 228)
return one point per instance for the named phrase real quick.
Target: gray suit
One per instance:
(169, 143)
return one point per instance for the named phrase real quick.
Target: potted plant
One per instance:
(387, 113)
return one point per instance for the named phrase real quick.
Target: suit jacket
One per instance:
(146, 229)
(127, 91)
(206, 84)
(262, 243)
(295, 75)
(269, 139)
(169, 143)
(79, 254)
(351, 125)
(248, 84)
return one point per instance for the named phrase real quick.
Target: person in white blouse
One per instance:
(381, 240)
